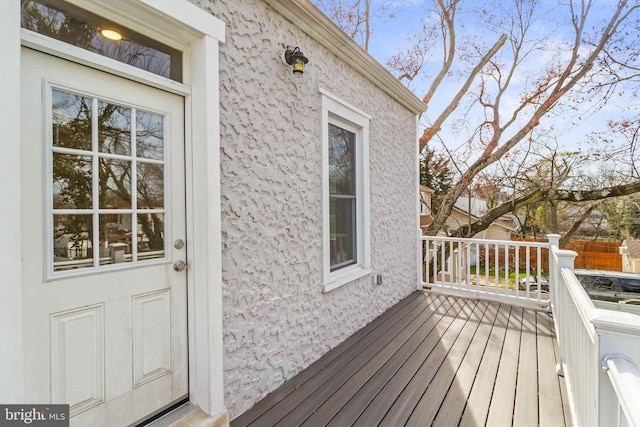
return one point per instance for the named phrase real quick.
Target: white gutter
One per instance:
(317, 25)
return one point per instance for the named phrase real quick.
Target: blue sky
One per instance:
(390, 35)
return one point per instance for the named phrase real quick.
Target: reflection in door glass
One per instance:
(103, 189)
(150, 186)
(115, 183)
(114, 129)
(149, 135)
(115, 238)
(151, 240)
(72, 181)
(71, 121)
(72, 241)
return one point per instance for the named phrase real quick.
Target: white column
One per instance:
(205, 249)
(11, 363)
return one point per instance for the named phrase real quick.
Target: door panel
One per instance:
(103, 201)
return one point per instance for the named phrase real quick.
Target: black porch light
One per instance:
(296, 59)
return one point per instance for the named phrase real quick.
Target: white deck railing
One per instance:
(599, 348)
(599, 351)
(512, 271)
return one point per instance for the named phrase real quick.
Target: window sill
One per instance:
(345, 276)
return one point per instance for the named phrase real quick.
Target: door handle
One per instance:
(179, 265)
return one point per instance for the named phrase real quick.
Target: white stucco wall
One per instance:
(277, 319)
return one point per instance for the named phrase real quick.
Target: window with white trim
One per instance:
(346, 192)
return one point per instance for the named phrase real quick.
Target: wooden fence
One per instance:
(591, 255)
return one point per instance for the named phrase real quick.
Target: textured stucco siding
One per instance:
(277, 319)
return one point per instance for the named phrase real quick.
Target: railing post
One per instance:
(554, 242)
(559, 259)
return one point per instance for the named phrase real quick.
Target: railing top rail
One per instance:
(625, 378)
(487, 242)
(583, 303)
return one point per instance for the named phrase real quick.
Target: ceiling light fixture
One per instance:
(111, 34)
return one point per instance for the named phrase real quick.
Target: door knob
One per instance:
(179, 265)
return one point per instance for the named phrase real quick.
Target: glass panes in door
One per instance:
(108, 166)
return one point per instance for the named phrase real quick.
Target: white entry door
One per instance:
(105, 317)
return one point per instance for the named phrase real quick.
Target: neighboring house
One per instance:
(500, 229)
(426, 218)
(478, 205)
(201, 224)
(630, 251)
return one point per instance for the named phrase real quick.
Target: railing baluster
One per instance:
(506, 268)
(447, 264)
(486, 266)
(539, 276)
(426, 244)
(516, 268)
(495, 268)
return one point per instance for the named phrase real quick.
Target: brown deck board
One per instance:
(341, 386)
(501, 406)
(441, 387)
(477, 405)
(363, 387)
(452, 408)
(383, 322)
(314, 391)
(547, 378)
(525, 412)
(403, 406)
(383, 397)
(430, 360)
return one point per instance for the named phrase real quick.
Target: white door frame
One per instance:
(197, 34)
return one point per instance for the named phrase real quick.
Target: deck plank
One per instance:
(451, 410)
(433, 379)
(502, 400)
(378, 337)
(385, 320)
(548, 381)
(525, 412)
(430, 360)
(566, 406)
(402, 392)
(342, 386)
(346, 405)
(477, 408)
(372, 403)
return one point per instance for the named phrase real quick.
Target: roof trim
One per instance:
(316, 24)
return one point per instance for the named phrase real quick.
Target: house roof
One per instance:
(316, 24)
(426, 189)
(633, 247)
(500, 222)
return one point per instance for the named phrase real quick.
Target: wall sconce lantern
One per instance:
(297, 59)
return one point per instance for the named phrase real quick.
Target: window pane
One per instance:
(72, 242)
(72, 183)
(71, 121)
(342, 214)
(80, 28)
(115, 184)
(115, 238)
(114, 129)
(150, 236)
(341, 161)
(149, 136)
(150, 186)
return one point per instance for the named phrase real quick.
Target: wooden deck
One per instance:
(429, 360)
